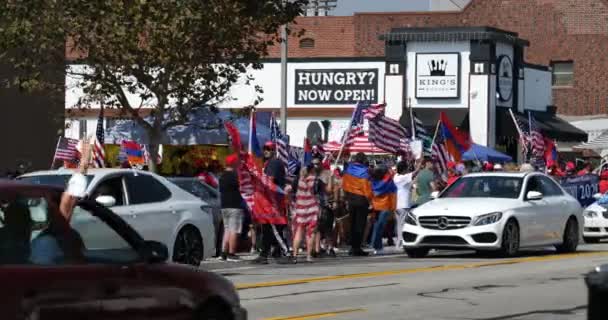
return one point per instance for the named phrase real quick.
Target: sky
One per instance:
(348, 7)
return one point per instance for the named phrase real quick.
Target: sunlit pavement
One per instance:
(538, 284)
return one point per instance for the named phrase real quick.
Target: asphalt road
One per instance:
(446, 285)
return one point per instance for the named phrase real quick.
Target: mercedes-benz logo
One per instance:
(442, 223)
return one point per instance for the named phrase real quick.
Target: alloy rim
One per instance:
(188, 248)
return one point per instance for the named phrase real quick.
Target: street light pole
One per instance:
(283, 111)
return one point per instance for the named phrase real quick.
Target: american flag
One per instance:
(66, 149)
(356, 124)
(536, 138)
(421, 134)
(372, 111)
(387, 134)
(99, 154)
(281, 141)
(440, 155)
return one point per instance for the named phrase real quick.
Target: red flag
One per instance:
(263, 197)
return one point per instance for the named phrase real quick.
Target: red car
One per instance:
(50, 270)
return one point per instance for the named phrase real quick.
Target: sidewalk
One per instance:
(246, 258)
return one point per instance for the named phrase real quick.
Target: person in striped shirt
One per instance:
(306, 213)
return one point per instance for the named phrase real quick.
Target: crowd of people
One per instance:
(359, 205)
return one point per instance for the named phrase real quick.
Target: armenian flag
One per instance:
(550, 150)
(356, 180)
(456, 142)
(385, 193)
(133, 151)
(255, 152)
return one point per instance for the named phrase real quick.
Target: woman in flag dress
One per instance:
(306, 213)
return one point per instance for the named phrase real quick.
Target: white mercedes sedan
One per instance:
(596, 221)
(501, 212)
(156, 208)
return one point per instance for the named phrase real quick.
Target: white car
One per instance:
(156, 208)
(496, 212)
(596, 222)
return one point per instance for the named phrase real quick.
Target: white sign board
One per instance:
(438, 75)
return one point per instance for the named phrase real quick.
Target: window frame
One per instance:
(307, 43)
(126, 178)
(554, 73)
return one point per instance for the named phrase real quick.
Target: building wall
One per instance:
(558, 30)
(447, 5)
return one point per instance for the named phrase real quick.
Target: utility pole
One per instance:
(283, 112)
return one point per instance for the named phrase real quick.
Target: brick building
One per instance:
(570, 35)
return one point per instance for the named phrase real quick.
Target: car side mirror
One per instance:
(435, 195)
(597, 196)
(106, 201)
(155, 252)
(534, 195)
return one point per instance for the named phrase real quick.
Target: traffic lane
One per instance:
(543, 289)
(244, 273)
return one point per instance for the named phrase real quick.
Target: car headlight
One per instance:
(590, 214)
(411, 219)
(487, 219)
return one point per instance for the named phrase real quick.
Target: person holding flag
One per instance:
(384, 203)
(358, 194)
(272, 234)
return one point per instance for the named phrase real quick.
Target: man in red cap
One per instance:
(232, 208)
(570, 169)
(272, 235)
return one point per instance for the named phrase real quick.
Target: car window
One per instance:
(57, 180)
(32, 232)
(100, 243)
(111, 187)
(484, 187)
(549, 187)
(144, 188)
(533, 185)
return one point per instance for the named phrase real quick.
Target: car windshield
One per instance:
(485, 187)
(57, 180)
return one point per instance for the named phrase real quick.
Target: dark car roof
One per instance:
(18, 186)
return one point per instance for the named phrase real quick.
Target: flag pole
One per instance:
(436, 131)
(55, 153)
(518, 130)
(345, 136)
(409, 106)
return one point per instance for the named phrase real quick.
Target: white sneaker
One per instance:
(379, 252)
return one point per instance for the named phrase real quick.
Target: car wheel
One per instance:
(510, 239)
(214, 310)
(188, 247)
(417, 252)
(592, 240)
(571, 237)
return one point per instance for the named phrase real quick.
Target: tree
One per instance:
(173, 55)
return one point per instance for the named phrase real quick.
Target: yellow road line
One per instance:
(417, 270)
(317, 315)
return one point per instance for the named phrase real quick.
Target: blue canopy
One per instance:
(481, 153)
(203, 127)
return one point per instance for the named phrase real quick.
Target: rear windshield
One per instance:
(58, 180)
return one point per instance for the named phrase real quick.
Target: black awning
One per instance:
(551, 125)
(430, 116)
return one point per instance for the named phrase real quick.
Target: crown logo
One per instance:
(437, 67)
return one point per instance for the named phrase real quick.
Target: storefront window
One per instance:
(563, 73)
